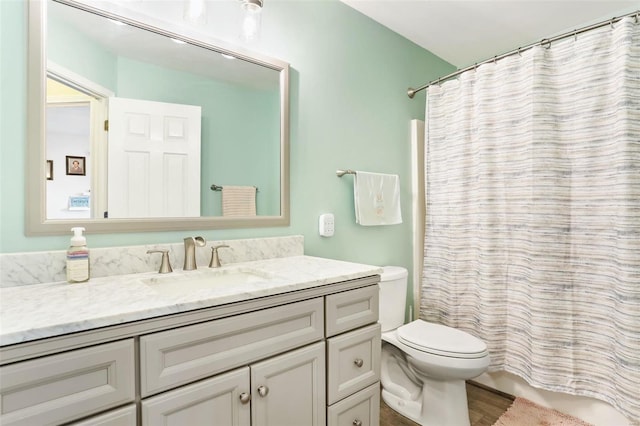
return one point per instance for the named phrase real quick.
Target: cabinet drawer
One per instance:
(125, 416)
(362, 408)
(354, 362)
(67, 386)
(175, 357)
(351, 309)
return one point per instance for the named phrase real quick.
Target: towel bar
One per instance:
(215, 187)
(341, 173)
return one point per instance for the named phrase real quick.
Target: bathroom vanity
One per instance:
(287, 341)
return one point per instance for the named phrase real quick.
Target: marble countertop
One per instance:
(45, 310)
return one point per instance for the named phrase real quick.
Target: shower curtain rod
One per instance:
(544, 42)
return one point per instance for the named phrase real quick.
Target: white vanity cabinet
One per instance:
(270, 391)
(174, 357)
(307, 357)
(284, 390)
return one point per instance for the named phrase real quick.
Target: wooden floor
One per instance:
(485, 407)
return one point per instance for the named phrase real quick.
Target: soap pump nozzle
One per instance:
(78, 238)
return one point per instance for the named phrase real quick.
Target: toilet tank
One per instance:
(393, 297)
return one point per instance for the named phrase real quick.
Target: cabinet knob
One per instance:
(263, 391)
(357, 422)
(359, 363)
(245, 398)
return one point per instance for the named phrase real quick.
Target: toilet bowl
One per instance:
(424, 365)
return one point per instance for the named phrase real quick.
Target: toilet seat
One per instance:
(441, 340)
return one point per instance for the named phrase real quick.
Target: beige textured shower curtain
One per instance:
(532, 238)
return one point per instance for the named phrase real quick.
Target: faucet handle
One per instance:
(165, 266)
(215, 260)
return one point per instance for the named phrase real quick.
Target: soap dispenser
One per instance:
(78, 257)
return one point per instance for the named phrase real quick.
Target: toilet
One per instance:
(424, 365)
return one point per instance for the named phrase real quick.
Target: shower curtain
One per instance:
(532, 238)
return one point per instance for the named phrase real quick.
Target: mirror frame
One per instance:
(35, 201)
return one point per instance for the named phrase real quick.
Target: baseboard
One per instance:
(492, 390)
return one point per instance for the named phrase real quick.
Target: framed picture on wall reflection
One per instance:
(48, 171)
(75, 165)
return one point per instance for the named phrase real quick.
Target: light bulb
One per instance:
(195, 11)
(251, 20)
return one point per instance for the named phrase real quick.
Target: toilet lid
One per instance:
(441, 340)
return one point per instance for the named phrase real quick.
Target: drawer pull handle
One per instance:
(263, 391)
(357, 422)
(359, 363)
(245, 398)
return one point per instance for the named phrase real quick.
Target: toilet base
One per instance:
(442, 403)
(409, 409)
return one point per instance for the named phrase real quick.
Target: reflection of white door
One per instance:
(154, 159)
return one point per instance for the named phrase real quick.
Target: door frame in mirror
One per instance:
(35, 197)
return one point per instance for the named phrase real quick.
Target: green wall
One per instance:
(80, 54)
(349, 109)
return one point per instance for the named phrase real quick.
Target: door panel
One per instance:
(289, 389)
(212, 402)
(154, 159)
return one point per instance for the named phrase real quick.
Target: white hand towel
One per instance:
(377, 199)
(238, 200)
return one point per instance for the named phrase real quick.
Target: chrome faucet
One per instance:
(190, 244)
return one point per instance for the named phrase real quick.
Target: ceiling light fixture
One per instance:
(251, 20)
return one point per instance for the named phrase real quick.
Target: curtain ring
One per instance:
(519, 54)
(637, 14)
(575, 35)
(495, 60)
(611, 23)
(547, 42)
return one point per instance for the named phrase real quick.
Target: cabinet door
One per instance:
(289, 389)
(221, 400)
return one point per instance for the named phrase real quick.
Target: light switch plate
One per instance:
(326, 225)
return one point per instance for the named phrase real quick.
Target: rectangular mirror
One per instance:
(150, 127)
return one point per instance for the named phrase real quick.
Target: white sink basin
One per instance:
(184, 282)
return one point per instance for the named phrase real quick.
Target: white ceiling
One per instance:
(464, 32)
